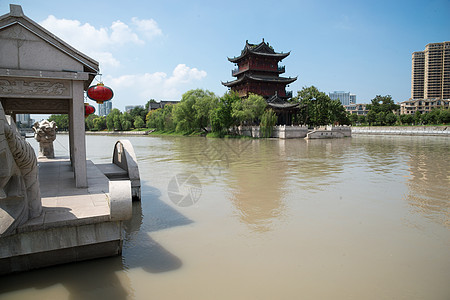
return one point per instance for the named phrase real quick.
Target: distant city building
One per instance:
(422, 105)
(430, 74)
(105, 108)
(345, 97)
(128, 108)
(161, 104)
(24, 119)
(359, 109)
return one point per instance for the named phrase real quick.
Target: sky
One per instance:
(161, 49)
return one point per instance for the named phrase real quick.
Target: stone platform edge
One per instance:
(43, 242)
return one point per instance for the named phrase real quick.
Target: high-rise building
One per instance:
(430, 76)
(417, 75)
(24, 119)
(105, 108)
(345, 97)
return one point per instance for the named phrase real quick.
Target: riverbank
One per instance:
(406, 130)
(371, 130)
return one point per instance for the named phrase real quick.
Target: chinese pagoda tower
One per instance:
(258, 72)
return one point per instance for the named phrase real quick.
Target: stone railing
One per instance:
(280, 131)
(407, 130)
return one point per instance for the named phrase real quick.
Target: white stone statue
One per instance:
(45, 134)
(20, 197)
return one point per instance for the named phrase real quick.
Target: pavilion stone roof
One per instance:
(260, 78)
(261, 49)
(17, 17)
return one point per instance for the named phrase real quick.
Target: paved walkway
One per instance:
(63, 203)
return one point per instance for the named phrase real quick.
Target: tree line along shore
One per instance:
(201, 111)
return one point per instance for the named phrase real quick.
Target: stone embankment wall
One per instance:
(281, 131)
(407, 130)
(292, 132)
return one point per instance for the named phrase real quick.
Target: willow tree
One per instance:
(249, 110)
(193, 111)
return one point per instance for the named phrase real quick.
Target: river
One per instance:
(366, 217)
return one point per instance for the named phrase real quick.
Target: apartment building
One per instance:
(430, 76)
(418, 75)
(422, 105)
(358, 109)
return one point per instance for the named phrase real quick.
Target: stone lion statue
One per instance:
(20, 197)
(45, 134)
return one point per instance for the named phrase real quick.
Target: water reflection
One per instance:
(429, 180)
(318, 164)
(384, 155)
(257, 179)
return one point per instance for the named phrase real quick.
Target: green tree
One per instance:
(221, 114)
(371, 117)
(138, 122)
(167, 114)
(362, 119)
(382, 106)
(62, 121)
(407, 119)
(381, 118)
(99, 123)
(89, 122)
(417, 118)
(113, 120)
(391, 118)
(354, 119)
(126, 121)
(161, 118)
(249, 110)
(444, 117)
(318, 109)
(152, 117)
(337, 113)
(268, 120)
(138, 111)
(193, 111)
(117, 122)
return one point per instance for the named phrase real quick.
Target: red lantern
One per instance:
(88, 110)
(100, 93)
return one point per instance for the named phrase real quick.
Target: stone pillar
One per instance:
(78, 145)
(71, 136)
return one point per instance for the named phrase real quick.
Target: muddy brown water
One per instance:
(366, 217)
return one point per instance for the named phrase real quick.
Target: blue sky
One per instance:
(161, 49)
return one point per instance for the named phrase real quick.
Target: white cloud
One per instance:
(138, 88)
(184, 74)
(122, 34)
(97, 42)
(148, 27)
